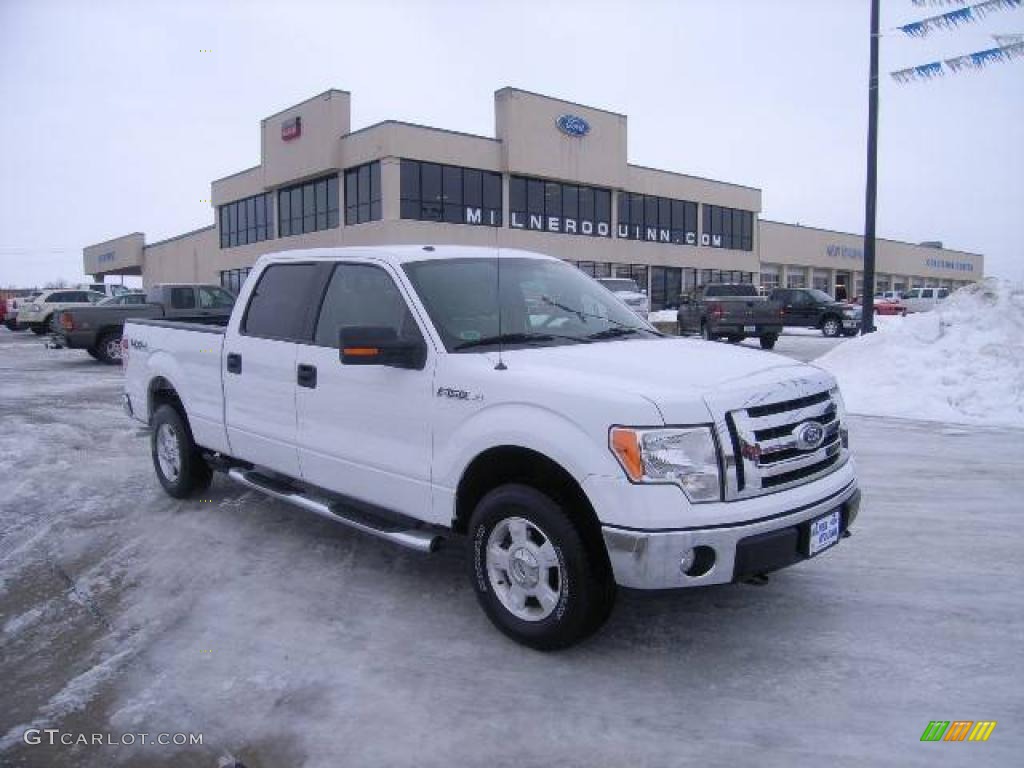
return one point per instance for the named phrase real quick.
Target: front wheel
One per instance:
(179, 465)
(533, 574)
(831, 327)
(768, 340)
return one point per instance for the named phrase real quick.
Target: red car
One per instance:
(884, 306)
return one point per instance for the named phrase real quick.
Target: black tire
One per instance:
(108, 348)
(768, 340)
(12, 325)
(831, 326)
(705, 332)
(585, 591)
(193, 473)
(93, 353)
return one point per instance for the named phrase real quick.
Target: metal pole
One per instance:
(868, 298)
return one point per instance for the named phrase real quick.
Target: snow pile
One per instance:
(962, 362)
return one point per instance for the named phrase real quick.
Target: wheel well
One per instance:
(161, 392)
(515, 464)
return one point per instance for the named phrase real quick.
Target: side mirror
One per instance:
(378, 345)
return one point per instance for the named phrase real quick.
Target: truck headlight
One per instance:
(686, 457)
(837, 398)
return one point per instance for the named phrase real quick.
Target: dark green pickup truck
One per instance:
(97, 329)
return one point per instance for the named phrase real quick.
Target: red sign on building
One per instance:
(291, 129)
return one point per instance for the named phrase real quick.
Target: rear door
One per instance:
(364, 430)
(258, 366)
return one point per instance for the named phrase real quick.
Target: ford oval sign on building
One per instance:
(573, 125)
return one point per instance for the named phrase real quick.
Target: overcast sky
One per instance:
(115, 121)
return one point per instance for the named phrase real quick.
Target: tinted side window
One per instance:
(183, 297)
(363, 295)
(279, 305)
(215, 298)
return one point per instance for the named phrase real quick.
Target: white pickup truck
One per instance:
(574, 446)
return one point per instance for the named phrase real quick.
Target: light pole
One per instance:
(867, 322)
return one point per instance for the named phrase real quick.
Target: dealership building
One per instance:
(554, 178)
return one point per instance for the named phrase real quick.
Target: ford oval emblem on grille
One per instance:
(809, 435)
(573, 125)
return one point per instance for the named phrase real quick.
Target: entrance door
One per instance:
(842, 286)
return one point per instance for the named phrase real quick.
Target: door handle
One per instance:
(234, 362)
(305, 376)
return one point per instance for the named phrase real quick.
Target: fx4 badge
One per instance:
(457, 394)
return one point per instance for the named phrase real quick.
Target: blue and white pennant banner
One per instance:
(972, 61)
(966, 15)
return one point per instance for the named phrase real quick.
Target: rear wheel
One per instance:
(179, 466)
(768, 340)
(831, 327)
(705, 332)
(108, 348)
(533, 574)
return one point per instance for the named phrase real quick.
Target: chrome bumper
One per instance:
(651, 559)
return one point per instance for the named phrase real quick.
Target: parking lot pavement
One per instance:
(286, 640)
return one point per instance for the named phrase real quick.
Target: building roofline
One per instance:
(178, 237)
(854, 234)
(112, 239)
(311, 98)
(237, 173)
(422, 127)
(692, 176)
(555, 98)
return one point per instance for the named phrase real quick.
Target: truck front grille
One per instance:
(763, 453)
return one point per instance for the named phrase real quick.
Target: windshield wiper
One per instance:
(516, 338)
(614, 333)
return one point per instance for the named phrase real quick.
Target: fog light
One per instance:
(686, 563)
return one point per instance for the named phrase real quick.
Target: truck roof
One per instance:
(401, 254)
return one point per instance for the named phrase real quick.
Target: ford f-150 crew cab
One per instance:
(732, 310)
(414, 393)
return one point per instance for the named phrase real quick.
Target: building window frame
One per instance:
(731, 228)
(654, 219)
(363, 194)
(464, 195)
(540, 205)
(246, 221)
(309, 206)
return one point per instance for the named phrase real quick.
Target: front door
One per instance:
(364, 430)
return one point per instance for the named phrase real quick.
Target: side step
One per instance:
(419, 540)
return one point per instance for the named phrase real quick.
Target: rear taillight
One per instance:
(66, 321)
(717, 311)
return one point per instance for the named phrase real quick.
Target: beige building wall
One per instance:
(527, 142)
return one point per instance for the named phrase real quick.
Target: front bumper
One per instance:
(651, 559)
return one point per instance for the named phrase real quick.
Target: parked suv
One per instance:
(415, 393)
(37, 314)
(923, 299)
(627, 290)
(812, 308)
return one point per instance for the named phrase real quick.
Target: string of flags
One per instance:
(966, 15)
(968, 62)
(952, 19)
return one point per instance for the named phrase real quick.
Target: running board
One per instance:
(419, 540)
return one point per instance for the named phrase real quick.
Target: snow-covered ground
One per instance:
(962, 362)
(288, 641)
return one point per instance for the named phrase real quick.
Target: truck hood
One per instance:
(678, 375)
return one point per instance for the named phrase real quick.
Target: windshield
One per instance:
(820, 295)
(543, 302)
(621, 285)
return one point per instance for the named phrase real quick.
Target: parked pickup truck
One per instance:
(731, 310)
(811, 308)
(416, 393)
(98, 329)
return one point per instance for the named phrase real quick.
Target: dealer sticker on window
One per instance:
(824, 532)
